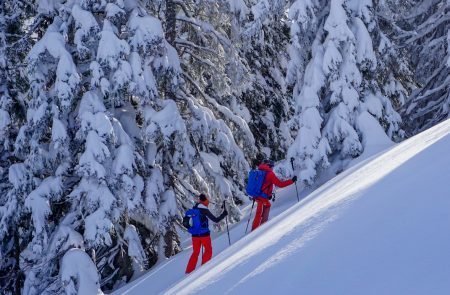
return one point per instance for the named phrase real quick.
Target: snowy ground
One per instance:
(380, 227)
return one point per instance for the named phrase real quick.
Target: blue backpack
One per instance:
(255, 182)
(199, 226)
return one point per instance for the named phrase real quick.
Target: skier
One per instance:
(263, 208)
(200, 230)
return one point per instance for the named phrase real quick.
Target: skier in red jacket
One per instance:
(263, 208)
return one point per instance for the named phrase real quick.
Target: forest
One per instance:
(116, 114)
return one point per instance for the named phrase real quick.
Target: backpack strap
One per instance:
(265, 185)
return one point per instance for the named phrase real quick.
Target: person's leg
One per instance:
(265, 211)
(258, 214)
(206, 243)
(196, 245)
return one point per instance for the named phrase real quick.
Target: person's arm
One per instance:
(186, 222)
(212, 217)
(279, 183)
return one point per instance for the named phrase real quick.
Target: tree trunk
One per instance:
(172, 242)
(170, 37)
(170, 22)
(17, 271)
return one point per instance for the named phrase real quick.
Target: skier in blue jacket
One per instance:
(200, 231)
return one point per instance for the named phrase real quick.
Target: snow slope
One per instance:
(380, 227)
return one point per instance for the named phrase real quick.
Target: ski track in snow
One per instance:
(271, 259)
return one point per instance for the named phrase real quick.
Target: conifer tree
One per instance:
(425, 33)
(264, 35)
(218, 134)
(15, 41)
(342, 91)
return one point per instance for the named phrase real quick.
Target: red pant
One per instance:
(197, 243)
(262, 212)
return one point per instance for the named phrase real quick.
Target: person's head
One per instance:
(203, 199)
(269, 163)
(258, 160)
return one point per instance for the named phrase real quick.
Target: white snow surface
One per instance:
(78, 273)
(380, 227)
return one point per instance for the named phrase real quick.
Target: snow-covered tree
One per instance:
(46, 171)
(43, 147)
(218, 130)
(306, 75)
(261, 35)
(127, 58)
(425, 32)
(341, 83)
(16, 24)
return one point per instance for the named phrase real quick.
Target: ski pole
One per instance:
(296, 189)
(250, 216)
(228, 231)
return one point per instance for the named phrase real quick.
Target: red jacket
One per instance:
(271, 180)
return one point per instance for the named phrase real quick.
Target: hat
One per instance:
(203, 199)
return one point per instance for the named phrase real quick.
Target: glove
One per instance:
(294, 179)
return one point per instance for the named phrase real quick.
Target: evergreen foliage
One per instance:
(425, 34)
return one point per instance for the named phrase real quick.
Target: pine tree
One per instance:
(115, 190)
(43, 146)
(218, 134)
(306, 75)
(424, 32)
(261, 37)
(343, 92)
(47, 141)
(15, 41)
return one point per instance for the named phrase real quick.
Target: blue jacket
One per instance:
(203, 228)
